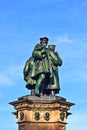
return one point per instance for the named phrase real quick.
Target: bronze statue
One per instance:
(54, 61)
(41, 69)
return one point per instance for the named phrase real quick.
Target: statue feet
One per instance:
(52, 93)
(37, 93)
(32, 92)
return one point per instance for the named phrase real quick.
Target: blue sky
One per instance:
(22, 23)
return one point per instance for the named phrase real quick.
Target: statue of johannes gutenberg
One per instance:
(41, 69)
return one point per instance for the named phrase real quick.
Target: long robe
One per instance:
(41, 61)
(54, 61)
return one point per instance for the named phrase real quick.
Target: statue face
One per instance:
(44, 42)
(51, 48)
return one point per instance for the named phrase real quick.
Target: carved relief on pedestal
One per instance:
(36, 116)
(62, 116)
(47, 116)
(21, 115)
(41, 116)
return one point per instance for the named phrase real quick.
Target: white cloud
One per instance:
(73, 54)
(67, 38)
(64, 38)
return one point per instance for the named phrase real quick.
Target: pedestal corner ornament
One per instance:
(42, 109)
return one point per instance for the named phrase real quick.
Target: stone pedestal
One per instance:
(41, 113)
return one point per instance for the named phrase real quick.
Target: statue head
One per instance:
(44, 40)
(51, 47)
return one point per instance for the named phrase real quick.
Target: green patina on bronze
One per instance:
(41, 69)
